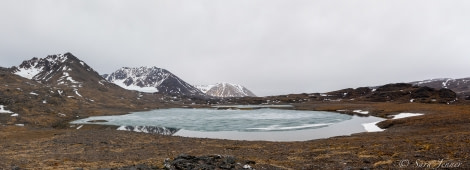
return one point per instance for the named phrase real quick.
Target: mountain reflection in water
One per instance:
(150, 129)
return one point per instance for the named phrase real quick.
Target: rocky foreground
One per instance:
(439, 139)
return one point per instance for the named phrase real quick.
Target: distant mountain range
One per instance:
(68, 70)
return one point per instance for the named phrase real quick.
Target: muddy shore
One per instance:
(438, 139)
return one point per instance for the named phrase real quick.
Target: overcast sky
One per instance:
(270, 46)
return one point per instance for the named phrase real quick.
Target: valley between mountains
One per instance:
(39, 97)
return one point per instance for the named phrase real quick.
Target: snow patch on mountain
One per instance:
(460, 86)
(205, 88)
(2, 110)
(30, 72)
(122, 84)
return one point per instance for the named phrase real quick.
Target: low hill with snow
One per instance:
(460, 86)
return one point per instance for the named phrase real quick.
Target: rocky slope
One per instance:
(225, 90)
(151, 79)
(459, 86)
(53, 90)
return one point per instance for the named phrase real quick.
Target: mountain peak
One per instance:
(57, 69)
(225, 89)
(151, 80)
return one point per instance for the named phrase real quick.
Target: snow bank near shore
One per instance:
(405, 115)
(372, 127)
(364, 112)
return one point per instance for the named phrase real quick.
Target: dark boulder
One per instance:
(447, 94)
(423, 92)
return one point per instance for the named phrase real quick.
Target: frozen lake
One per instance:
(258, 124)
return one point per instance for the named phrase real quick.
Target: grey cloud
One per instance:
(270, 46)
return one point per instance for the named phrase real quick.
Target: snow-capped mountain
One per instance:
(57, 69)
(225, 90)
(459, 86)
(151, 79)
(63, 71)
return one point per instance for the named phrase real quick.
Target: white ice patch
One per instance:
(444, 84)
(76, 92)
(246, 167)
(72, 80)
(2, 110)
(372, 127)
(19, 124)
(121, 128)
(32, 93)
(361, 112)
(61, 115)
(405, 115)
(79, 127)
(14, 115)
(44, 101)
